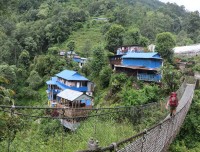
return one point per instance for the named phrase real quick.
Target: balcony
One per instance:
(63, 86)
(55, 91)
(72, 112)
(149, 77)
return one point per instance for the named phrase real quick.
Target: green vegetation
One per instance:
(33, 32)
(164, 44)
(188, 138)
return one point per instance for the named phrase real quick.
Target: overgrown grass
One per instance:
(85, 38)
(48, 135)
(36, 139)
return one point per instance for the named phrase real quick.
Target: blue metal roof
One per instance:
(154, 55)
(77, 60)
(77, 76)
(71, 75)
(52, 81)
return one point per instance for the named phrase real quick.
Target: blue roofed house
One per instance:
(68, 89)
(68, 79)
(145, 66)
(123, 50)
(81, 61)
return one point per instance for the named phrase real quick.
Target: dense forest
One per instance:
(33, 32)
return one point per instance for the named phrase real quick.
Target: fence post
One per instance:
(93, 145)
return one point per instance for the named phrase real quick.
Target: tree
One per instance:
(43, 11)
(171, 78)
(155, 23)
(53, 50)
(183, 39)
(122, 16)
(114, 37)
(6, 95)
(8, 72)
(104, 76)
(117, 82)
(144, 41)
(192, 25)
(5, 48)
(31, 46)
(132, 36)
(165, 42)
(48, 64)
(98, 61)
(71, 45)
(24, 59)
(34, 80)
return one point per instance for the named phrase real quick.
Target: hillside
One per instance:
(33, 32)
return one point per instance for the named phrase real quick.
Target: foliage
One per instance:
(171, 78)
(191, 140)
(132, 36)
(117, 81)
(34, 80)
(30, 28)
(182, 39)
(97, 62)
(104, 76)
(6, 95)
(24, 59)
(165, 42)
(43, 64)
(192, 24)
(131, 96)
(53, 50)
(9, 73)
(196, 66)
(114, 37)
(71, 45)
(28, 93)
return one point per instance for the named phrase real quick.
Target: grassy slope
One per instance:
(48, 135)
(91, 34)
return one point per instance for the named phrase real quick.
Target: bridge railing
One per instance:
(158, 137)
(123, 120)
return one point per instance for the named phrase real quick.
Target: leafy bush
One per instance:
(130, 96)
(34, 80)
(117, 81)
(105, 76)
(28, 93)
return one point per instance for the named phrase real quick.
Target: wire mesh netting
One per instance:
(40, 129)
(61, 129)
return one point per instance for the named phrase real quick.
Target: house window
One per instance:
(84, 83)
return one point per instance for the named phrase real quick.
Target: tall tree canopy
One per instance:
(114, 37)
(165, 42)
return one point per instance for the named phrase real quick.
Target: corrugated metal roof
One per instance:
(71, 75)
(52, 81)
(77, 76)
(187, 49)
(154, 55)
(69, 94)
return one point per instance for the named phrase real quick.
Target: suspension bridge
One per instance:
(156, 138)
